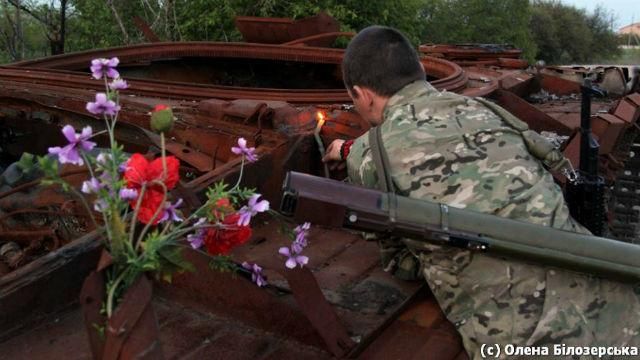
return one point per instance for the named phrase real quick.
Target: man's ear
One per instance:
(363, 94)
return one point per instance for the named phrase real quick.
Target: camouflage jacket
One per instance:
(453, 149)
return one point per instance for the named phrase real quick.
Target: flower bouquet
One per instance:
(144, 228)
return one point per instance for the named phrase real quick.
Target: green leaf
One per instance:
(27, 162)
(173, 255)
(222, 263)
(99, 329)
(49, 166)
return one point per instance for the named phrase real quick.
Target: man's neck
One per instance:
(379, 104)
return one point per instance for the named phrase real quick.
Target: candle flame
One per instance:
(321, 118)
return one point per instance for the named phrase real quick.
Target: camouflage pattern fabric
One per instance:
(448, 148)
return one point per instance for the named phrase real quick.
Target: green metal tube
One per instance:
(334, 203)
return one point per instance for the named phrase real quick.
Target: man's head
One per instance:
(378, 62)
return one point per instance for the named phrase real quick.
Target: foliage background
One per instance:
(545, 29)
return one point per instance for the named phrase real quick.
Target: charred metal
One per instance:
(343, 304)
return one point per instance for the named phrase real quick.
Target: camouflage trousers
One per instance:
(498, 301)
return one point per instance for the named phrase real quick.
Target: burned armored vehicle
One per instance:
(342, 304)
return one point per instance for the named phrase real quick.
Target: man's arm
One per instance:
(333, 155)
(396, 258)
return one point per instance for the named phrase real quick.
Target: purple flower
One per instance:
(106, 180)
(69, 154)
(127, 194)
(100, 205)
(293, 258)
(103, 105)
(253, 207)
(170, 212)
(256, 273)
(105, 67)
(243, 150)
(91, 186)
(300, 241)
(102, 158)
(118, 84)
(301, 232)
(123, 167)
(297, 248)
(196, 240)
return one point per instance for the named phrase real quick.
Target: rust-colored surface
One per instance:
(536, 119)
(559, 86)
(132, 331)
(354, 308)
(420, 327)
(445, 74)
(318, 311)
(35, 220)
(309, 40)
(284, 30)
(505, 56)
(91, 300)
(46, 286)
(365, 299)
(184, 333)
(146, 29)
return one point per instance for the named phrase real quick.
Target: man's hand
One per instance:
(332, 155)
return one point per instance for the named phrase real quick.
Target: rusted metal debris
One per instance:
(36, 220)
(505, 56)
(363, 310)
(284, 30)
(144, 27)
(445, 75)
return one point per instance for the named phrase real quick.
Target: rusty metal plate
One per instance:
(608, 128)
(282, 30)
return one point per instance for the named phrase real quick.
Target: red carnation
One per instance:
(219, 241)
(140, 171)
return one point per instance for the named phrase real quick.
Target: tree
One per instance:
(11, 32)
(604, 39)
(52, 17)
(213, 20)
(479, 21)
(208, 20)
(545, 29)
(565, 34)
(107, 23)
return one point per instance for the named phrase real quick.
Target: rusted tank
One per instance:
(343, 304)
(282, 320)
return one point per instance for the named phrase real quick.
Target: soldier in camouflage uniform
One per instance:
(452, 149)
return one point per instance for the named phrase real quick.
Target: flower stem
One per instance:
(99, 133)
(112, 292)
(155, 214)
(240, 176)
(190, 217)
(86, 205)
(163, 148)
(82, 199)
(165, 228)
(112, 147)
(132, 227)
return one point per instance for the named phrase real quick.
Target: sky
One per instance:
(625, 11)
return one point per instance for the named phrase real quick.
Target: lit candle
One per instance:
(320, 116)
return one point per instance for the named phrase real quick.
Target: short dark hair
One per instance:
(382, 59)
